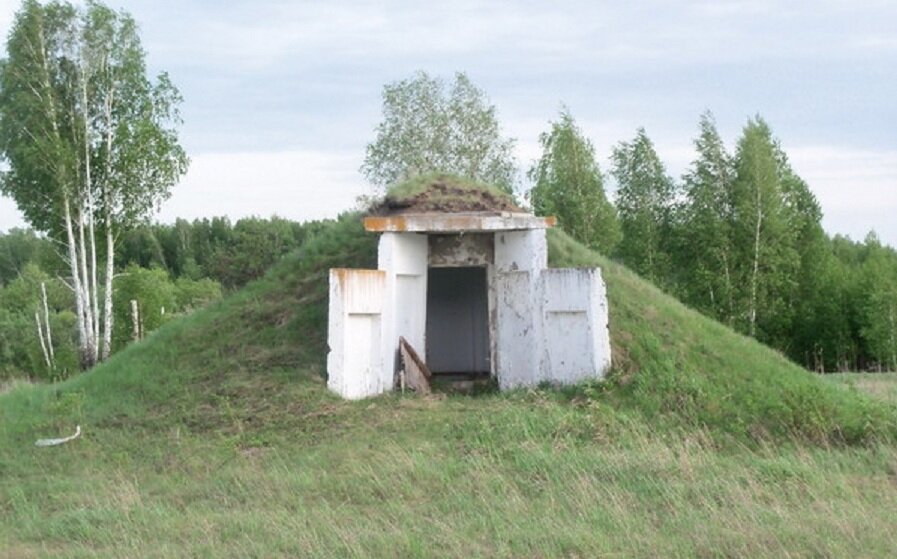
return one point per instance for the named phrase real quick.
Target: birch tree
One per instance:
(427, 127)
(568, 183)
(878, 305)
(90, 142)
(765, 242)
(705, 251)
(645, 203)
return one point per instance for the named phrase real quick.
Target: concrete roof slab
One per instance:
(475, 222)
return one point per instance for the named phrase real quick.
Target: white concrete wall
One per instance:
(576, 344)
(355, 320)
(403, 257)
(520, 256)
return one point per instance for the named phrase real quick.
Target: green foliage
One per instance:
(35, 99)
(878, 304)
(159, 299)
(765, 243)
(155, 297)
(749, 250)
(427, 128)
(254, 246)
(231, 254)
(567, 183)
(194, 294)
(20, 350)
(645, 204)
(706, 260)
(134, 119)
(74, 83)
(20, 247)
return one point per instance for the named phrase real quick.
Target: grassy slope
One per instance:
(675, 363)
(217, 437)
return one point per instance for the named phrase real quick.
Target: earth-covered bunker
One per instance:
(471, 292)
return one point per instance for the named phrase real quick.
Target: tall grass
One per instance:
(458, 477)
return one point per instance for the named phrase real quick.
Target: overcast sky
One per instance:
(281, 97)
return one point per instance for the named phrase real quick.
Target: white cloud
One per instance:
(857, 189)
(299, 185)
(10, 216)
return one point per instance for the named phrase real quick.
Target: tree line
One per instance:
(166, 270)
(738, 237)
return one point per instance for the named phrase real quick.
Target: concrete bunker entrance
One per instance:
(466, 293)
(457, 325)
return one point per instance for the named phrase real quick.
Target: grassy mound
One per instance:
(672, 365)
(216, 436)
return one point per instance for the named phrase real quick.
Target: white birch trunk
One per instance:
(107, 299)
(94, 292)
(107, 216)
(756, 271)
(90, 346)
(90, 269)
(43, 345)
(135, 320)
(43, 290)
(83, 328)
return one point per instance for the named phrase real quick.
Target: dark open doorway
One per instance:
(457, 321)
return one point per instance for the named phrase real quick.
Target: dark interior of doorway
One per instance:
(458, 323)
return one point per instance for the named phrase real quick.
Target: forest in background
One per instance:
(739, 237)
(168, 270)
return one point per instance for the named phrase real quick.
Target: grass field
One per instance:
(882, 386)
(217, 437)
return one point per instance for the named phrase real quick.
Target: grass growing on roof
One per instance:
(446, 192)
(419, 184)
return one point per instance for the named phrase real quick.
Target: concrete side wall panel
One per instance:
(355, 359)
(403, 257)
(517, 338)
(520, 257)
(575, 322)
